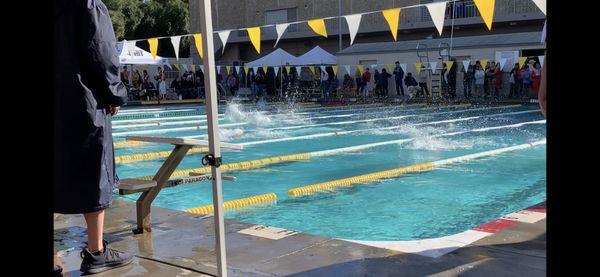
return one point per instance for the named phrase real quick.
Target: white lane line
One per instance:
(372, 129)
(159, 131)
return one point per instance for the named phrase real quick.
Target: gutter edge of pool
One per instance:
(437, 247)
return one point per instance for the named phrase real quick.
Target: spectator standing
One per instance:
(383, 80)
(398, 77)
(87, 94)
(423, 81)
(468, 76)
(536, 76)
(366, 80)
(514, 80)
(377, 79)
(526, 77)
(443, 80)
(497, 80)
(489, 78)
(347, 83)
(359, 83)
(479, 80)
(136, 79)
(452, 79)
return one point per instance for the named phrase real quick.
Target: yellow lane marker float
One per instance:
(236, 204)
(123, 144)
(332, 185)
(154, 155)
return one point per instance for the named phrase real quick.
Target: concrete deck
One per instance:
(182, 244)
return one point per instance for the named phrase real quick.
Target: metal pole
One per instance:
(214, 143)
(340, 22)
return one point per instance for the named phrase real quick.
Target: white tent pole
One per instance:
(214, 144)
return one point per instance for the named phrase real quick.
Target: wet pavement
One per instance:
(182, 244)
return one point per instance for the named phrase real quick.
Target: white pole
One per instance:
(214, 143)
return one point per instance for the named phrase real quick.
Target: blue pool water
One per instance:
(429, 204)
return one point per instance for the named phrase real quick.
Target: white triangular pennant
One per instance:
(224, 36)
(186, 67)
(466, 64)
(175, 41)
(322, 68)
(403, 66)
(541, 58)
(276, 69)
(543, 40)
(255, 69)
(373, 66)
(280, 30)
(237, 69)
(433, 66)
(218, 69)
(298, 70)
(169, 65)
(202, 68)
(347, 67)
(353, 24)
(541, 4)
(438, 13)
(502, 63)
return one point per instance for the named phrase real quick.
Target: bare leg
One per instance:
(95, 225)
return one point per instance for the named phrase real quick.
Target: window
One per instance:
(282, 16)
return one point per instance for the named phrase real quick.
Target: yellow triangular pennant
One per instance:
(486, 9)
(153, 46)
(392, 16)
(449, 65)
(265, 68)
(245, 69)
(484, 63)
(193, 66)
(318, 26)
(287, 69)
(335, 69)
(198, 41)
(522, 61)
(228, 68)
(361, 68)
(312, 69)
(389, 67)
(254, 34)
(177, 66)
(418, 67)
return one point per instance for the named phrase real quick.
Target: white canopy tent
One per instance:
(137, 55)
(316, 56)
(278, 57)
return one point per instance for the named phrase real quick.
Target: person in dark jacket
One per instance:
(452, 79)
(87, 93)
(398, 77)
(383, 81)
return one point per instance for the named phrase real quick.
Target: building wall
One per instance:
(510, 16)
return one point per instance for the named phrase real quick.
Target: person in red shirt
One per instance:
(536, 76)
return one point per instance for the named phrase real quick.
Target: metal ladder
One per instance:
(423, 54)
(444, 53)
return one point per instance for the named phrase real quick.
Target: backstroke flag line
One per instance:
(198, 42)
(466, 64)
(541, 4)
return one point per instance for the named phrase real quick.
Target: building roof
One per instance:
(458, 42)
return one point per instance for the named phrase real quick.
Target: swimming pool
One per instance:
(439, 202)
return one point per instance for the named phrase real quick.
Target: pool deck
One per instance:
(182, 244)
